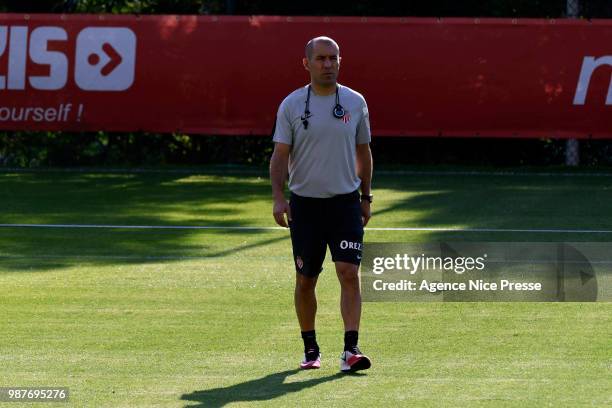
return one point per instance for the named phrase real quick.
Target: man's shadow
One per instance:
(261, 389)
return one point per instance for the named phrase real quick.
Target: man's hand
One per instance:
(366, 213)
(281, 207)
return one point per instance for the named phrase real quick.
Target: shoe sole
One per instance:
(313, 366)
(309, 368)
(363, 364)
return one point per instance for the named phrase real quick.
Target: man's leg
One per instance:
(306, 309)
(350, 306)
(308, 255)
(350, 295)
(345, 244)
(305, 301)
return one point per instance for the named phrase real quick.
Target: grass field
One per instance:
(186, 317)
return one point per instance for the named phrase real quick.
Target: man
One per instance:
(322, 137)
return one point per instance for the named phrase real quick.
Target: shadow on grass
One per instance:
(500, 202)
(244, 200)
(261, 389)
(129, 199)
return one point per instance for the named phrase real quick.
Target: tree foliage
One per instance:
(492, 8)
(436, 8)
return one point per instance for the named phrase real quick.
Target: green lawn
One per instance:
(184, 318)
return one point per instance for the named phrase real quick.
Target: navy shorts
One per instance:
(317, 223)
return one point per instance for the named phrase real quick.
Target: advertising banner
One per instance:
(228, 74)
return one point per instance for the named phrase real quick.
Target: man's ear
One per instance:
(305, 63)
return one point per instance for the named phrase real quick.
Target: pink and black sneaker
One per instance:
(312, 359)
(354, 360)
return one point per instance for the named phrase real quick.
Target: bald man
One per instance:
(322, 141)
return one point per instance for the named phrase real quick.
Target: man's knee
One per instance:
(305, 284)
(348, 274)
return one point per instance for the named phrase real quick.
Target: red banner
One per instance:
(228, 74)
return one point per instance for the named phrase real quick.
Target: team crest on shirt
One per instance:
(346, 118)
(299, 262)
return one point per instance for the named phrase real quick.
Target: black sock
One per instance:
(350, 340)
(310, 340)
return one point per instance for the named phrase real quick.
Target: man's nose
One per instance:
(328, 63)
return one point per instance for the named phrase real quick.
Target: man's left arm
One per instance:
(364, 171)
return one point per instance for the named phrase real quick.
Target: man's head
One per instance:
(322, 61)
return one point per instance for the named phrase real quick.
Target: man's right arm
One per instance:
(279, 164)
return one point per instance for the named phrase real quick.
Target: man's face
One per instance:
(324, 64)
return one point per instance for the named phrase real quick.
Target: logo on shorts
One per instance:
(350, 245)
(299, 262)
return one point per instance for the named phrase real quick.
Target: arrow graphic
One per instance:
(115, 59)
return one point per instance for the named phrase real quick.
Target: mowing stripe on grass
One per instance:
(245, 228)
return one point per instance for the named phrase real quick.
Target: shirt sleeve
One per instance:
(283, 133)
(363, 129)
